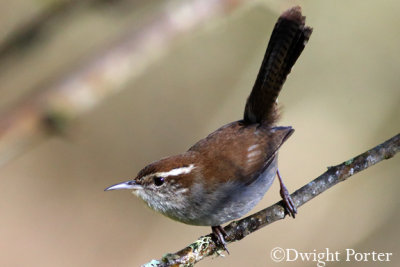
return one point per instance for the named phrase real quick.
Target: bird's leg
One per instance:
(220, 233)
(287, 200)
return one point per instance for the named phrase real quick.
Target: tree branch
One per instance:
(236, 230)
(51, 110)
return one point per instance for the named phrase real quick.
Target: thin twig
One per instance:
(236, 230)
(29, 32)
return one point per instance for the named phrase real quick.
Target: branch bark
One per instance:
(206, 246)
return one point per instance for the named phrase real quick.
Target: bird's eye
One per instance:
(158, 181)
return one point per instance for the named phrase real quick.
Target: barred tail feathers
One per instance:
(288, 40)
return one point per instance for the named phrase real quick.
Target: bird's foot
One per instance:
(220, 234)
(290, 207)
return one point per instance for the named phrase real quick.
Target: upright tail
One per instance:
(288, 40)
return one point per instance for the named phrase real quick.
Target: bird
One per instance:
(223, 176)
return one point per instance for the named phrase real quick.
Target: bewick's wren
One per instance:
(223, 176)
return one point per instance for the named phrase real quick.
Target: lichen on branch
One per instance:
(207, 246)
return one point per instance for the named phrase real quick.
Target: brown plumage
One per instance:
(287, 41)
(241, 151)
(223, 176)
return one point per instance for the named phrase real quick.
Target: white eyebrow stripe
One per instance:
(176, 172)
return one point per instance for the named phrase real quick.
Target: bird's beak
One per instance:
(125, 185)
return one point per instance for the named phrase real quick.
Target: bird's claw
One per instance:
(290, 207)
(220, 234)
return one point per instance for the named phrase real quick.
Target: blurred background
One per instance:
(93, 90)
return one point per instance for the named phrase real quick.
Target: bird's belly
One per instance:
(230, 202)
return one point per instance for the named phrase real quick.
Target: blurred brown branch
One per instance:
(51, 109)
(32, 30)
(236, 230)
